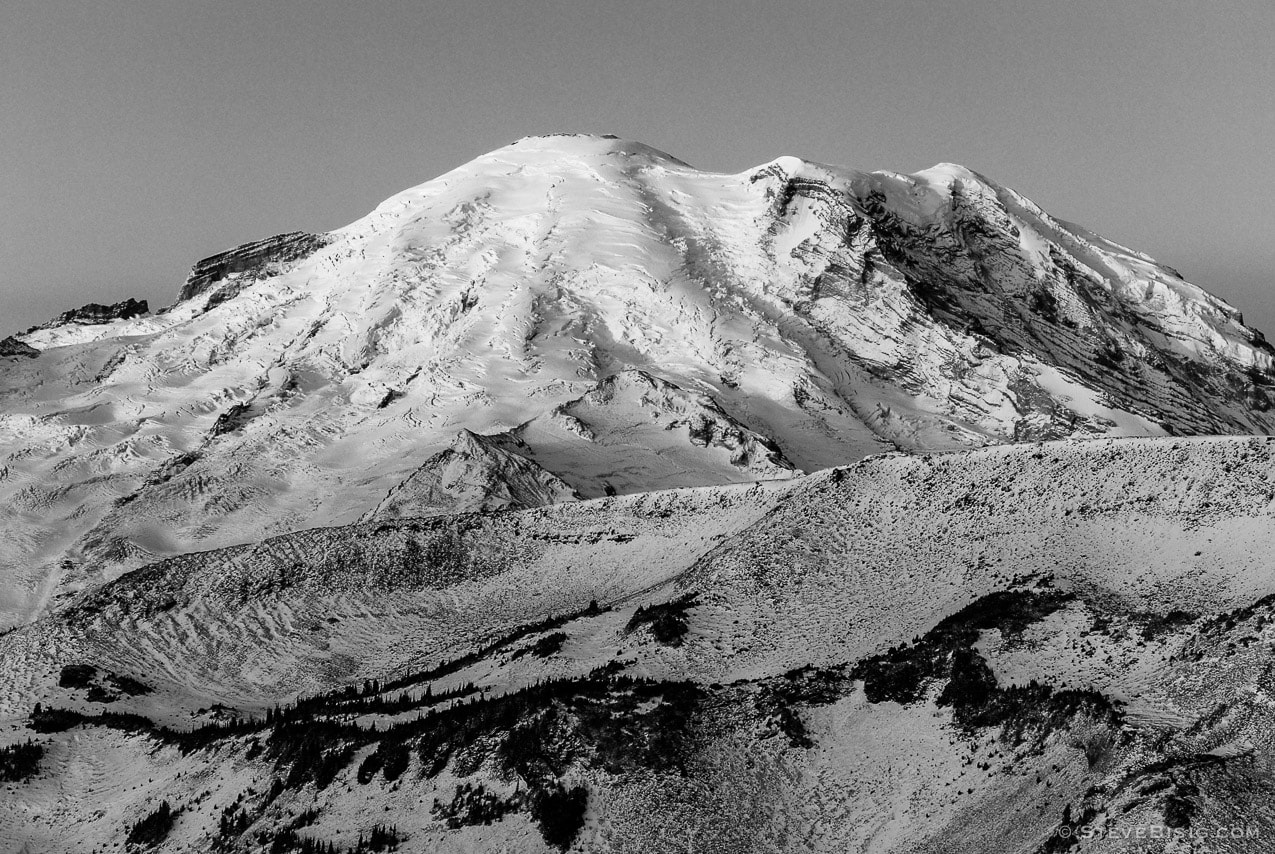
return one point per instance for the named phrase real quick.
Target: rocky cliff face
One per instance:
(882, 260)
(95, 313)
(13, 347)
(247, 263)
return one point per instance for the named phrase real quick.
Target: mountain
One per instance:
(982, 651)
(579, 500)
(633, 322)
(477, 473)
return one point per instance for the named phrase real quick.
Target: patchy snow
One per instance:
(824, 570)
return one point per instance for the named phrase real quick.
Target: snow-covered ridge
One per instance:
(1023, 637)
(246, 263)
(785, 319)
(96, 314)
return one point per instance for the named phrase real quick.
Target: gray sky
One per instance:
(137, 136)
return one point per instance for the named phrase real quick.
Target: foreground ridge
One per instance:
(1034, 640)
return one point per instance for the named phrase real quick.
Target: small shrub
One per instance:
(667, 620)
(548, 645)
(128, 685)
(473, 804)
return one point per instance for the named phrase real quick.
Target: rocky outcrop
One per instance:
(13, 347)
(1013, 306)
(95, 313)
(670, 408)
(633, 429)
(477, 473)
(251, 261)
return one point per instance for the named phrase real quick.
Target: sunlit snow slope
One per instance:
(615, 321)
(958, 653)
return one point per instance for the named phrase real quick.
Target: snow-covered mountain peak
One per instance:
(392, 515)
(632, 321)
(557, 146)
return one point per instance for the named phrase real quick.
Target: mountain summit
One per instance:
(590, 316)
(490, 523)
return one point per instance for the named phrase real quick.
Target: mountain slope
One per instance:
(952, 652)
(477, 473)
(792, 317)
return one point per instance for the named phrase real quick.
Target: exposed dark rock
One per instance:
(232, 419)
(94, 313)
(707, 424)
(966, 271)
(254, 259)
(13, 347)
(1179, 806)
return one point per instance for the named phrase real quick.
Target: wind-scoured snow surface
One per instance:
(974, 652)
(620, 321)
